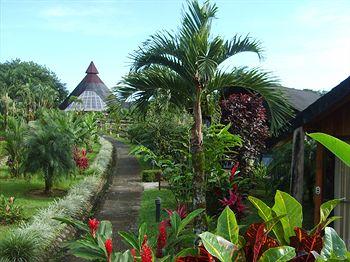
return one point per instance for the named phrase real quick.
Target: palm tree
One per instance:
(49, 147)
(186, 67)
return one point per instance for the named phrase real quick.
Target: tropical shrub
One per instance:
(20, 246)
(248, 118)
(150, 175)
(14, 146)
(80, 159)
(9, 211)
(173, 235)
(49, 147)
(278, 238)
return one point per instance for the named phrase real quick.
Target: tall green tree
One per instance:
(186, 67)
(49, 147)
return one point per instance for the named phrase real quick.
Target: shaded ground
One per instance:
(122, 200)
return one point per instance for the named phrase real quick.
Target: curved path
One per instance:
(122, 200)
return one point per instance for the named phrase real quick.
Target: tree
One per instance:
(50, 147)
(185, 66)
(16, 73)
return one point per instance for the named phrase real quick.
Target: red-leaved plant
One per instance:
(305, 244)
(80, 158)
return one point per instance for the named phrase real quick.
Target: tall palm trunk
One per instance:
(198, 158)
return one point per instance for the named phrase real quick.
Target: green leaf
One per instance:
(122, 257)
(278, 254)
(264, 210)
(130, 239)
(189, 218)
(267, 214)
(333, 247)
(339, 148)
(287, 205)
(327, 207)
(175, 221)
(142, 233)
(227, 226)
(72, 222)
(217, 246)
(105, 230)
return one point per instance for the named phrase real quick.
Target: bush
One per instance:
(248, 119)
(20, 246)
(150, 175)
(10, 212)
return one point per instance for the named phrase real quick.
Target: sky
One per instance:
(306, 43)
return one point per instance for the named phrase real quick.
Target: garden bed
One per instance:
(42, 233)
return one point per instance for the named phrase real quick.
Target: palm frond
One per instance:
(262, 83)
(239, 44)
(143, 86)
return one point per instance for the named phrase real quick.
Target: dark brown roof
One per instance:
(91, 82)
(300, 99)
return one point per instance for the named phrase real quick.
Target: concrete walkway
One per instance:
(123, 198)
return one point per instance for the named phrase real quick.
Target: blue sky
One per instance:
(307, 43)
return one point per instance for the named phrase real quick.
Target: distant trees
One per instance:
(26, 87)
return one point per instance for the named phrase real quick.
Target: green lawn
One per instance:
(22, 189)
(148, 209)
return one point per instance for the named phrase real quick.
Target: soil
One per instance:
(39, 193)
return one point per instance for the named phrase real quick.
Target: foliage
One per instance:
(49, 147)
(163, 132)
(279, 168)
(80, 159)
(16, 74)
(150, 175)
(339, 148)
(184, 67)
(14, 145)
(248, 118)
(20, 246)
(9, 211)
(42, 228)
(97, 242)
(27, 88)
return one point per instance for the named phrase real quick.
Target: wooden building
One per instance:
(329, 114)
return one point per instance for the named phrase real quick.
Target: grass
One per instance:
(22, 189)
(147, 212)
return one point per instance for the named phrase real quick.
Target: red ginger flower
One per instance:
(181, 210)
(146, 251)
(93, 225)
(109, 248)
(161, 241)
(233, 171)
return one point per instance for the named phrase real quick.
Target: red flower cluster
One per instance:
(161, 241)
(146, 251)
(234, 171)
(80, 158)
(181, 210)
(109, 248)
(93, 225)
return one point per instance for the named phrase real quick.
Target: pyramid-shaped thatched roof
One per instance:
(91, 93)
